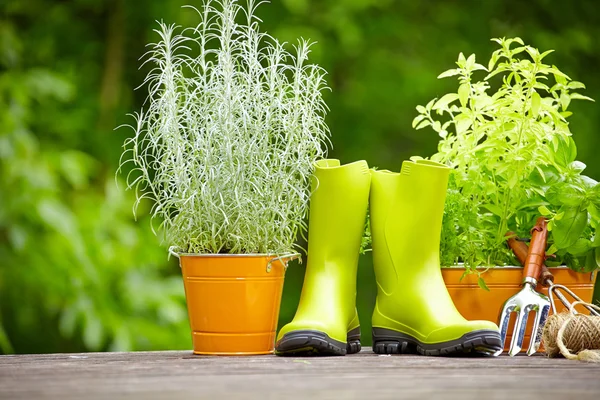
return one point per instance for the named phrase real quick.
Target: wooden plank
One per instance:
(178, 375)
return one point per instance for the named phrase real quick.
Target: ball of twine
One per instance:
(574, 336)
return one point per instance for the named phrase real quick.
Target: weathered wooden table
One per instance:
(178, 375)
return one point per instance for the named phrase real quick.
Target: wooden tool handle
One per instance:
(537, 250)
(547, 278)
(520, 250)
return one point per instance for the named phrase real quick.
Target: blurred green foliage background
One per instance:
(77, 272)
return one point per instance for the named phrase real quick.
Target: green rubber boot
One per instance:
(414, 312)
(326, 321)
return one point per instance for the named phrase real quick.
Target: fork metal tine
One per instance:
(505, 319)
(519, 333)
(541, 315)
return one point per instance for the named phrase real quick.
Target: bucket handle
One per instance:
(289, 257)
(173, 252)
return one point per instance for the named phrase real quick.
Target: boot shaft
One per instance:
(338, 211)
(406, 220)
(417, 213)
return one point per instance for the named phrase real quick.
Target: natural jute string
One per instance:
(575, 336)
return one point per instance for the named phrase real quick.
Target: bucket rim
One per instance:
(272, 257)
(460, 266)
(236, 255)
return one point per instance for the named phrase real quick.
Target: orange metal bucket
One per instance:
(503, 282)
(233, 301)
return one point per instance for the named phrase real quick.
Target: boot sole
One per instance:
(310, 343)
(477, 343)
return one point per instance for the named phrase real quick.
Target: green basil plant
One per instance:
(508, 141)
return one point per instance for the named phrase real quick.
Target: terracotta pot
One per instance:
(503, 282)
(233, 301)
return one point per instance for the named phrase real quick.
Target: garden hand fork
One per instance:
(520, 250)
(528, 299)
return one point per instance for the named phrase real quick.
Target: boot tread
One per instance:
(309, 342)
(482, 342)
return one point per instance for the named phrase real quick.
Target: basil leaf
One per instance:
(573, 262)
(567, 230)
(450, 72)
(581, 247)
(594, 212)
(577, 167)
(482, 284)
(536, 102)
(595, 195)
(565, 152)
(588, 182)
(565, 194)
(442, 103)
(592, 262)
(596, 240)
(463, 94)
(544, 176)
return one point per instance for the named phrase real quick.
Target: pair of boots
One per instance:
(414, 312)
